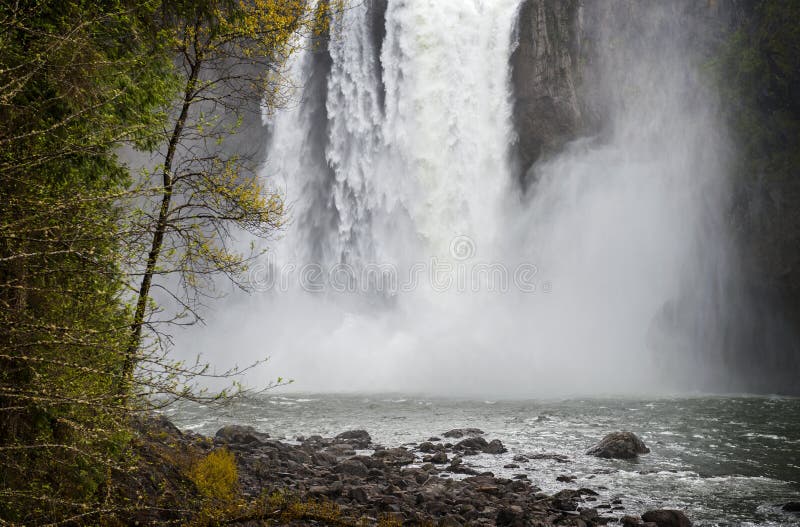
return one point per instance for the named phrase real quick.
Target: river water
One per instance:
(723, 460)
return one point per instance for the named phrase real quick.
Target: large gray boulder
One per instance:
(619, 445)
(667, 518)
(357, 438)
(458, 433)
(238, 434)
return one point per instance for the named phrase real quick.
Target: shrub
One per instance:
(216, 475)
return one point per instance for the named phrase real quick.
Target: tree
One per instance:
(230, 56)
(78, 80)
(70, 93)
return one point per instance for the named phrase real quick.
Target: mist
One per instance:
(604, 272)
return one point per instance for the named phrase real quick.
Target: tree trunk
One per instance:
(159, 232)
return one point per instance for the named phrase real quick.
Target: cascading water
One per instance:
(396, 160)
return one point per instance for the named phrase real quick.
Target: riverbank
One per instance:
(350, 480)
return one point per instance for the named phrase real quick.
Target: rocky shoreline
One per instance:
(430, 483)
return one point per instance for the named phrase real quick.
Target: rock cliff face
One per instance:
(555, 70)
(545, 77)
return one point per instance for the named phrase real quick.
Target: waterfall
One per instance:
(396, 164)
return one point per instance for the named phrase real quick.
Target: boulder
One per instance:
(463, 432)
(429, 447)
(667, 518)
(630, 521)
(395, 456)
(439, 458)
(479, 444)
(619, 445)
(495, 446)
(472, 443)
(352, 467)
(358, 438)
(511, 516)
(238, 434)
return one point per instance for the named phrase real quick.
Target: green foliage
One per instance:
(758, 75)
(77, 79)
(759, 80)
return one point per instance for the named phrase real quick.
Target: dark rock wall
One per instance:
(545, 75)
(555, 68)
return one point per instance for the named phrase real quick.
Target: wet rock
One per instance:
(630, 521)
(428, 447)
(512, 516)
(238, 434)
(457, 433)
(439, 458)
(450, 521)
(554, 457)
(566, 479)
(358, 438)
(340, 450)
(511, 465)
(158, 424)
(395, 456)
(495, 447)
(667, 518)
(461, 469)
(566, 500)
(792, 506)
(352, 467)
(381, 484)
(472, 443)
(619, 445)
